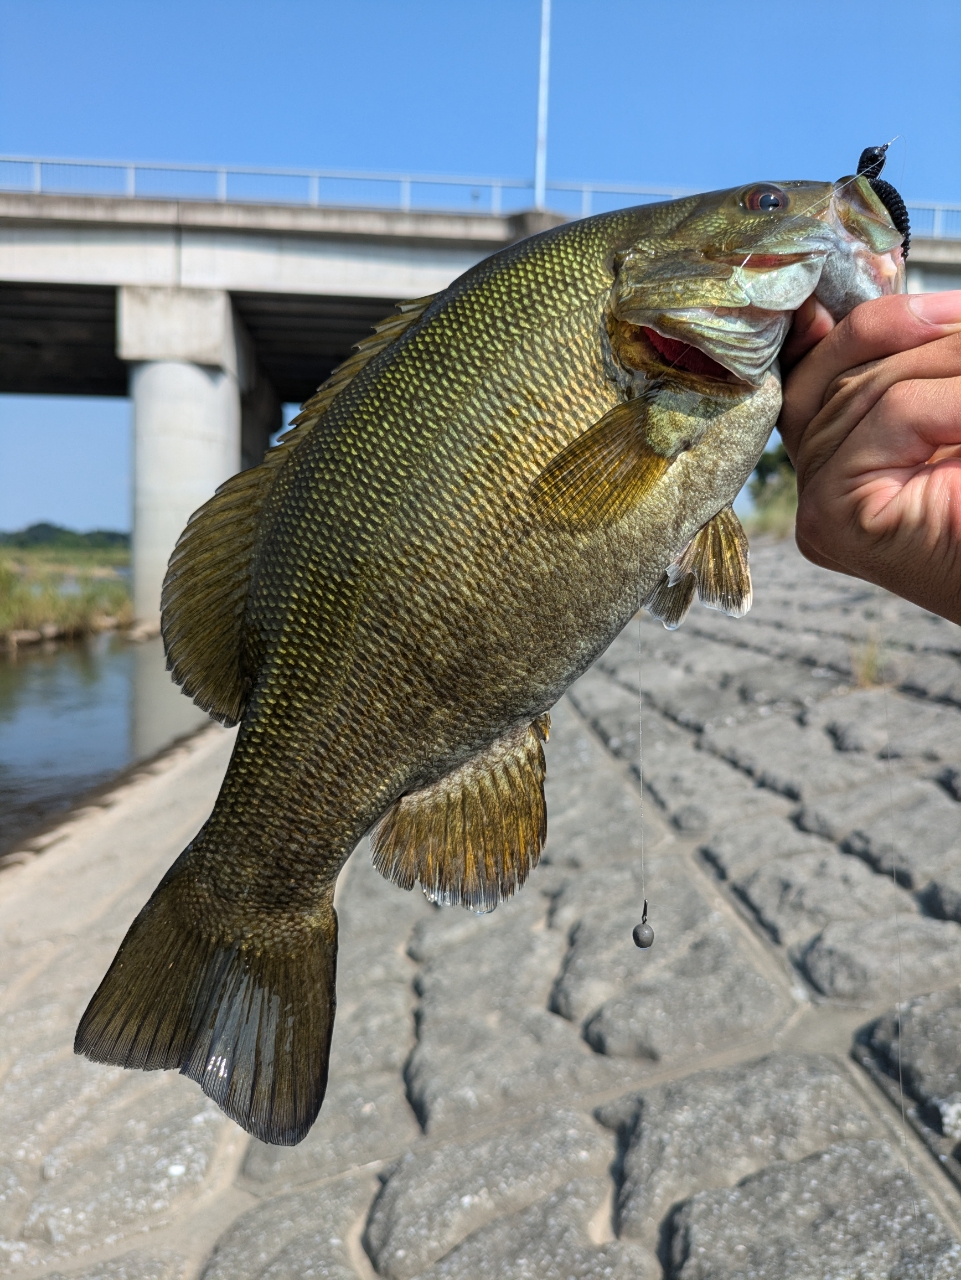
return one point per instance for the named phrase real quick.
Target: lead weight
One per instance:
(643, 935)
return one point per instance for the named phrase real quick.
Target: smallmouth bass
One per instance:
(462, 519)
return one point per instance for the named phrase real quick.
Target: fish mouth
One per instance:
(644, 349)
(675, 355)
(749, 261)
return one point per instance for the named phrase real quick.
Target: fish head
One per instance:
(711, 293)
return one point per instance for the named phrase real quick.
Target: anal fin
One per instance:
(715, 565)
(472, 838)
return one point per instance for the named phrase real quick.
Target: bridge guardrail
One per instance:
(341, 187)
(312, 187)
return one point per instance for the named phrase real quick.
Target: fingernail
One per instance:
(937, 308)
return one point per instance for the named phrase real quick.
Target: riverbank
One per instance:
(526, 1092)
(51, 592)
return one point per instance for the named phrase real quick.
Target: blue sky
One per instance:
(696, 93)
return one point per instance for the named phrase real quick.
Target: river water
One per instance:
(72, 716)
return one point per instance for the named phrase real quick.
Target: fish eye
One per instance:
(765, 199)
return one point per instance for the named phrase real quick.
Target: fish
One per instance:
(459, 522)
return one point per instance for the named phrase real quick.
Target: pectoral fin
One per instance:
(715, 564)
(473, 837)
(603, 473)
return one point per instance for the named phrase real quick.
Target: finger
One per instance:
(886, 476)
(898, 526)
(872, 331)
(856, 392)
(907, 428)
(812, 322)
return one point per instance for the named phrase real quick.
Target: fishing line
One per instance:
(643, 933)
(897, 923)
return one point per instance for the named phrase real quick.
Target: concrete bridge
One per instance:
(210, 314)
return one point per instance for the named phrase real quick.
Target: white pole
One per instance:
(540, 163)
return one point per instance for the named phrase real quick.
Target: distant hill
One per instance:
(53, 535)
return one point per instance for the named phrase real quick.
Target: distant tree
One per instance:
(773, 489)
(61, 539)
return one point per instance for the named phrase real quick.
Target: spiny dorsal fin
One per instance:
(473, 837)
(385, 332)
(715, 564)
(603, 473)
(205, 591)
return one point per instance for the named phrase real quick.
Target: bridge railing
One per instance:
(247, 183)
(934, 220)
(341, 187)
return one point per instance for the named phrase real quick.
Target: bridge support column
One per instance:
(190, 362)
(186, 443)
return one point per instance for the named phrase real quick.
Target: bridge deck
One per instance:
(307, 282)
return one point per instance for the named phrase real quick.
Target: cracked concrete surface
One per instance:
(526, 1094)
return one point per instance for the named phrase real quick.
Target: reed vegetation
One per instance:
(62, 584)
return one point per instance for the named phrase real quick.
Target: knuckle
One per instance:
(860, 326)
(855, 326)
(900, 400)
(850, 383)
(943, 357)
(838, 386)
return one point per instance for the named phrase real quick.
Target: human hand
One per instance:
(872, 422)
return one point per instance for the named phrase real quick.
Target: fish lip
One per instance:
(752, 261)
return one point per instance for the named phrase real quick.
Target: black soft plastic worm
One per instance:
(870, 165)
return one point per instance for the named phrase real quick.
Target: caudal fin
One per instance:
(250, 1022)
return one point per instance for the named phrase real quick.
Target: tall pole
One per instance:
(540, 161)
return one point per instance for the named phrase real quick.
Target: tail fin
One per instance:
(250, 1023)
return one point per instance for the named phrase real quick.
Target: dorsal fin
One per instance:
(473, 837)
(385, 332)
(205, 590)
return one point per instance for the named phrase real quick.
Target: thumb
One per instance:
(812, 322)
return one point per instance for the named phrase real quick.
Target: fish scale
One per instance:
(462, 520)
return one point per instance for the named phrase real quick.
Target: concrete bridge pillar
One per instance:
(191, 364)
